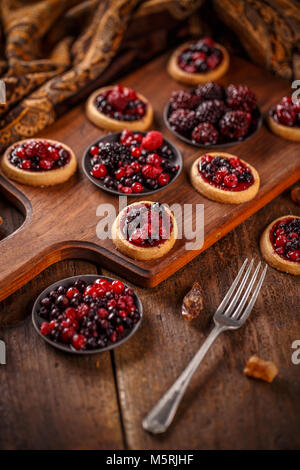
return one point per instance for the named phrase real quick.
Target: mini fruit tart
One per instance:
(118, 107)
(145, 230)
(212, 115)
(39, 162)
(198, 62)
(223, 177)
(132, 162)
(280, 244)
(284, 119)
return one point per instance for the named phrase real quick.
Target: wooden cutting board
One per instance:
(61, 221)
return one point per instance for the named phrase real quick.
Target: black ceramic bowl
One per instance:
(114, 137)
(253, 129)
(37, 320)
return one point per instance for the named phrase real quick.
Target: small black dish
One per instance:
(89, 278)
(114, 137)
(254, 127)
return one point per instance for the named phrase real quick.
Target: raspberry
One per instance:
(205, 133)
(231, 181)
(152, 141)
(235, 124)
(40, 149)
(210, 91)
(183, 120)
(184, 99)
(150, 171)
(210, 111)
(241, 97)
(117, 100)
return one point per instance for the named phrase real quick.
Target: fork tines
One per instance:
(229, 306)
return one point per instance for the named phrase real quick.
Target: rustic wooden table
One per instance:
(50, 400)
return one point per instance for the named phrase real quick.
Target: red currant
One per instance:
(136, 152)
(78, 341)
(71, 292)
(118, 287)
(137, 187)
(99, 170)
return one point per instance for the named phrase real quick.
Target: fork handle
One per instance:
(161, 416)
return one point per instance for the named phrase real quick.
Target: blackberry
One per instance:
(210, 91)
(111, 153)
(210, 111)
(241, 97)
(205, 133)
(246, 177)
(183, 120)
(235, 124)
(184, 99)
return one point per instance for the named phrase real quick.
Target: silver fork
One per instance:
(229, 316)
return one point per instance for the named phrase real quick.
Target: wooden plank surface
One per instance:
(62, 220)
(222, 409)
(50, 400)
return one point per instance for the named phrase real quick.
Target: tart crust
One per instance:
(286, 132)
(195, 78)
(220, 195)
(271, 256)
(101, 120)
(39, 178)
(137, 252)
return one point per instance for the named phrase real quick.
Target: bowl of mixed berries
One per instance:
(132, 163)
(212, 115)
(87, 314)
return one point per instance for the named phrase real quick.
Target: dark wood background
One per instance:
(50, 400)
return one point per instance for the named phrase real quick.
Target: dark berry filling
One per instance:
(211, 114)
(285, 238)
(146, 225)
(135, 164)
(121, 103)
(39, 155)
(228, 174)
(89, 316)
(287, 112)
(200, 57)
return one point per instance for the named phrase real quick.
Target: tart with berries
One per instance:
(199, 62)
(118, 107)
(280, 244)
(87, 314)
(39, 162)
(224, 178)
(145, 230)
(132, 163)
(284, 119)
(211, 115)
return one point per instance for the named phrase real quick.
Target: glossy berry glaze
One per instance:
(121, 103)
(285, 239)
(146, 225)
(228, 174)
(287, 113)
(134, 164)
(89, 316)
(211, 114)
(200, 57)
(39, 155)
